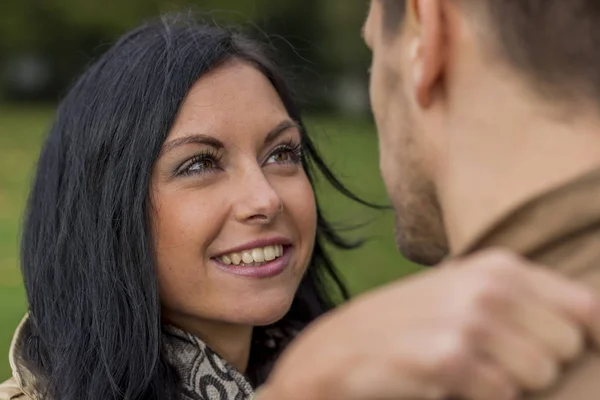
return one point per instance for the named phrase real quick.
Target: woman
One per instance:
(172, 219)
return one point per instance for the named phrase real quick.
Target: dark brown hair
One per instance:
(393, 12)
(554, 43)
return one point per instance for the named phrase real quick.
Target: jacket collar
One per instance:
(22, 375)
(562, 212)
(204, 374)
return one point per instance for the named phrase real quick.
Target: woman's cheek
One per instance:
(301, 205)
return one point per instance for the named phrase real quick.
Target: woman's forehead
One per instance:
(233, 99)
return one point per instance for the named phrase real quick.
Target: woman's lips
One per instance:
(264, 269)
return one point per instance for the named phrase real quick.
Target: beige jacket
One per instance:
(15, 388)
(560, 229)
(193, 359)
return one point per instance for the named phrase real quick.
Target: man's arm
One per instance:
(424, 337)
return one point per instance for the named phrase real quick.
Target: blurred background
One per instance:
(45, 45)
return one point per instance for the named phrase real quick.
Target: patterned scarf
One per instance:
(205, 375)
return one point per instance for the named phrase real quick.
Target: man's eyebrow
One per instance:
(280, 128)
(196, 138)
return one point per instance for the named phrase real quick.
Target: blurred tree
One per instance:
(317, 40)
(349, 57)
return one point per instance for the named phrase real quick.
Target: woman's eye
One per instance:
(286, 155)
(202, 165)
(281, 157)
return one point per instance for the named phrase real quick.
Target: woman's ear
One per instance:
(426, 49)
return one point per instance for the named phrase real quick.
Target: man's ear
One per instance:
(426, 47)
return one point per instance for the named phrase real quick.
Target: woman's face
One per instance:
(234, 216)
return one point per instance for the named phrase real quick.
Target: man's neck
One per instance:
(498, 162)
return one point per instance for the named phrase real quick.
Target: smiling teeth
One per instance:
(258, 255)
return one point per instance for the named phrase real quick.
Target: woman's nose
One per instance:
(257, 200)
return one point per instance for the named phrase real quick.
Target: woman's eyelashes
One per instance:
(286, 153)
(209, 161)
(202, 163)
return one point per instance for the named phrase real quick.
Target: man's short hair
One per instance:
(554, 43)
(393, 13)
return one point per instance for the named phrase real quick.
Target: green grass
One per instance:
(349, 146)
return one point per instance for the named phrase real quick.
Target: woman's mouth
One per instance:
(253, 257)
(260, 262)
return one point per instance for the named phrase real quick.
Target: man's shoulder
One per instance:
(10, 390)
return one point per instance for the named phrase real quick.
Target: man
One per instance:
(493, 109)
(488, 114)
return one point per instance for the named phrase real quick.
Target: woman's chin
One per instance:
(267, 315)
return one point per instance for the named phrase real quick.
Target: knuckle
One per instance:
(496, 276)
(451, 358)
(501, 258)
(488, 294)
(474, 326)
(589, 306)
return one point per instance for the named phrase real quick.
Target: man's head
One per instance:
(435, 64)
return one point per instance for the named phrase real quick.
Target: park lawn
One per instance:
(348, 145)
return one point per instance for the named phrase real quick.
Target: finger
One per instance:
(527, 362)
(573, 298)
(551, 328)
(488, 381)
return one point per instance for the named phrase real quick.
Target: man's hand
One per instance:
(485, 330)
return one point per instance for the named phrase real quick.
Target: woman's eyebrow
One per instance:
(192, 139)
(207, 140)
(279, 129)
